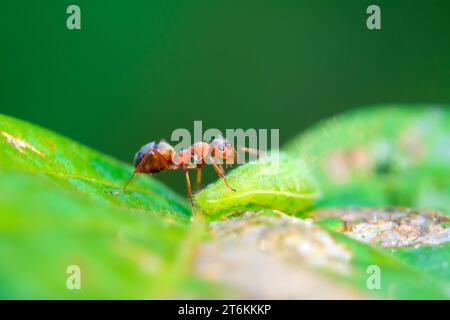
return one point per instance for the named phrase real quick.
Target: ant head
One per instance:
(222, 149)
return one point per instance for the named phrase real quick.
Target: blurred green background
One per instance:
(140, 69)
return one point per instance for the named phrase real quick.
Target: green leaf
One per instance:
(399, 278)
(434, 260)
(387, 155)
(268, 183)
(409, 246)
(286, 253)
(27, 147)
(57, 210)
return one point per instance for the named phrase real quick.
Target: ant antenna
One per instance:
(255, 152)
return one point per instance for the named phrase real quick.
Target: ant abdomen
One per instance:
(147, 161)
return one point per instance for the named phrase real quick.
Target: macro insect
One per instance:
(160, 156)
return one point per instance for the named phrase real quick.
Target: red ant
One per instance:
(156, 157)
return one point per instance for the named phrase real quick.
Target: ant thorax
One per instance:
(195, 160)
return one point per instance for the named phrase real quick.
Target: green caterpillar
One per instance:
(376, 156)
(281, 184)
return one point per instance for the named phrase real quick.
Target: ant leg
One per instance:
(125, 185)
(221, 168)
(220, 173)
(188, 184)
(250, 151)
(136, 171)
(198, 178)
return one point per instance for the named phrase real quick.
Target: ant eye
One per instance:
(221, 147)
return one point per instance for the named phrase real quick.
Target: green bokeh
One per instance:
(140, 69)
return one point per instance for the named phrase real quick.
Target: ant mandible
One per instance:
(156, 157)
